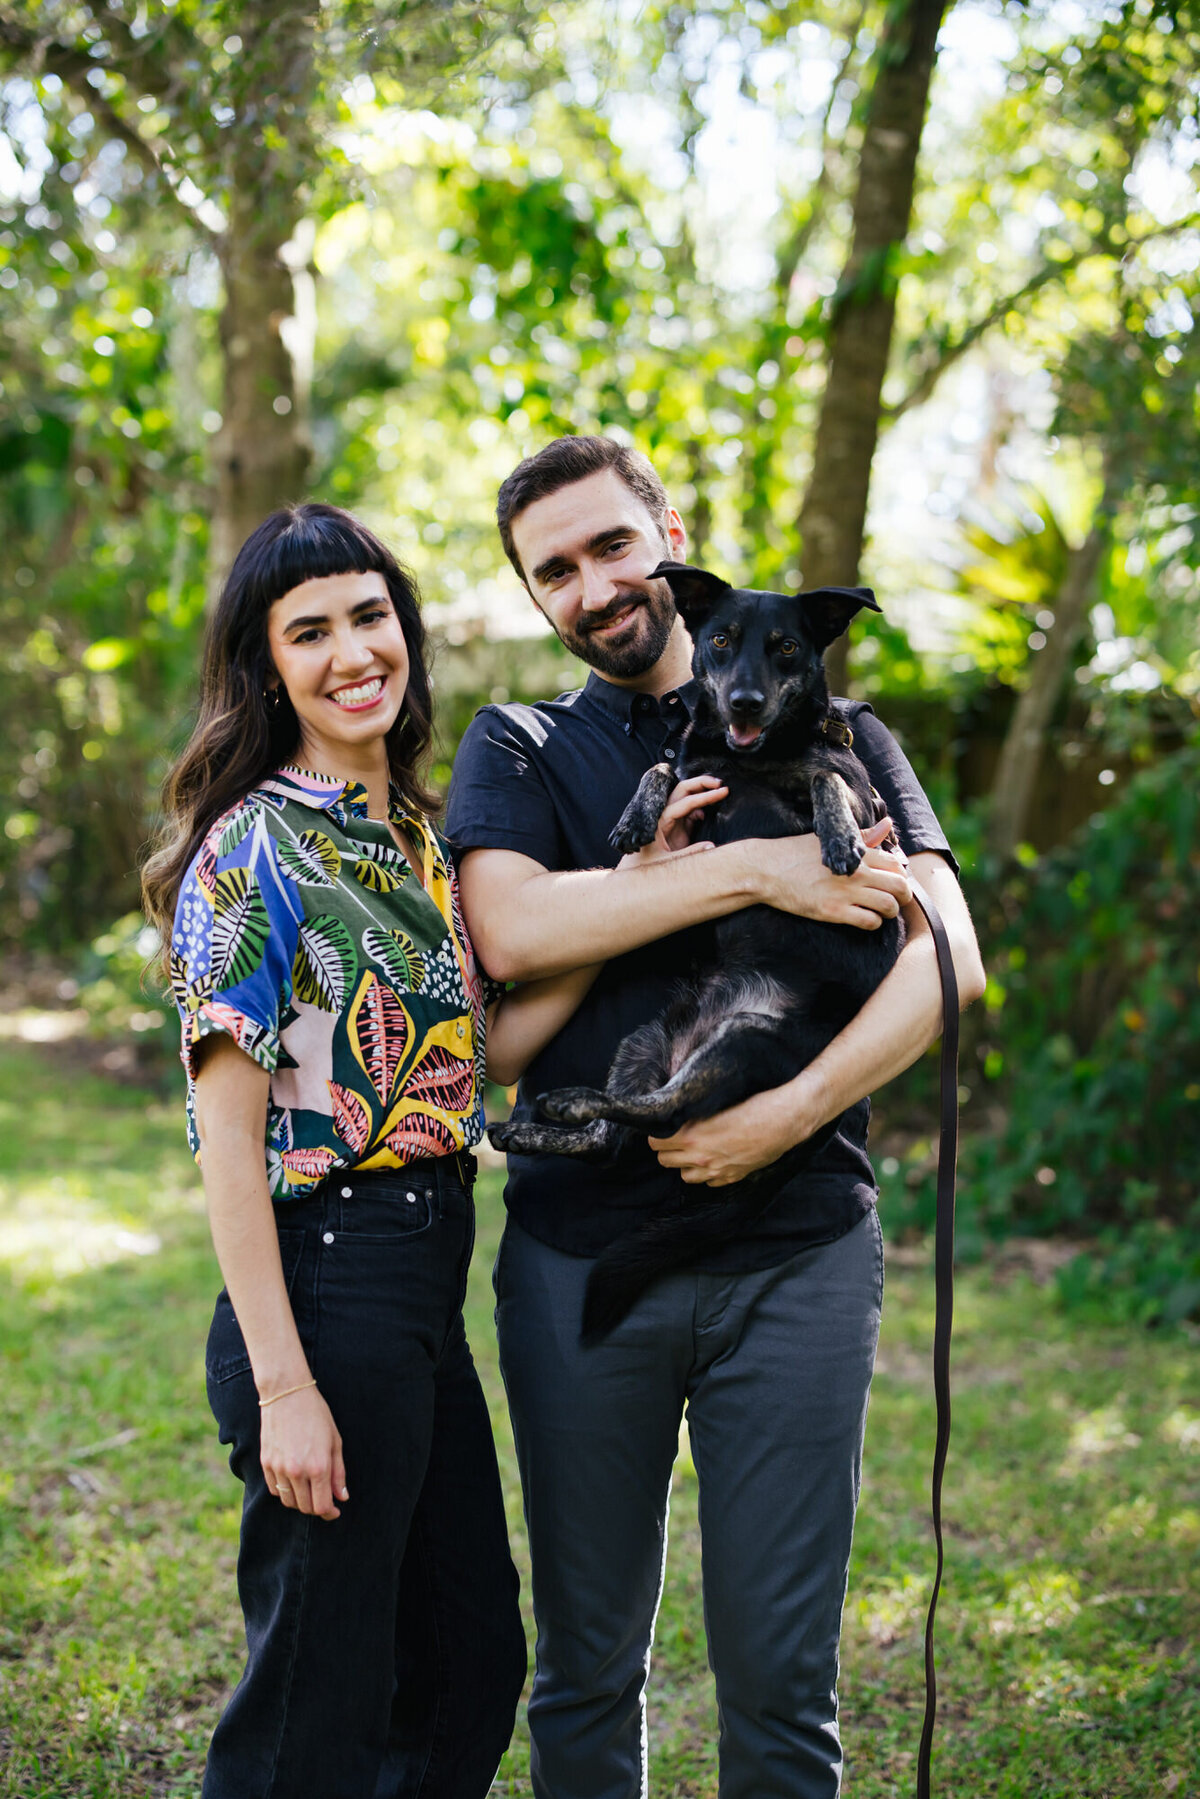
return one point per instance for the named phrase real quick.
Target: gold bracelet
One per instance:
(302, 1388)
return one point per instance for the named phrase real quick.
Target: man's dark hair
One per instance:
(565, 461)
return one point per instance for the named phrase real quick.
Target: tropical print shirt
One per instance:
(303, 933)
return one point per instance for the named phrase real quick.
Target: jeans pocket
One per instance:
(225, 1355)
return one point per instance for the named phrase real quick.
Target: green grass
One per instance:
(1070, 1618)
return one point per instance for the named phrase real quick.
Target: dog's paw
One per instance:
(843, 852)
(573, 1105)
(630, 835)
(509, 1135)
(638, 824)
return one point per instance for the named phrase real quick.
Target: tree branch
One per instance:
(1050, 272)
(73, 68)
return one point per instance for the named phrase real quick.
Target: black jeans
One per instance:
(385, 1649)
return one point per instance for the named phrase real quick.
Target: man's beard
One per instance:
(646, 639)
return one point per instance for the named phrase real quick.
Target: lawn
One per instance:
(1070, 1618)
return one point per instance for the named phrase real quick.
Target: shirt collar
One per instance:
(325, 793)
(624, 704)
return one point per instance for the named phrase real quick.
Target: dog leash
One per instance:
(943, 1283)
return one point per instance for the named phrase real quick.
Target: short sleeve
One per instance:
(234, 941)
(498, 797)
(893, 775)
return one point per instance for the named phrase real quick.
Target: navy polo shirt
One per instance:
(550, 781)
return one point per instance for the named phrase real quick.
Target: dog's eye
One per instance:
(788, 647)
(719, 640)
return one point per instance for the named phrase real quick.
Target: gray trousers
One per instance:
(775, 1370)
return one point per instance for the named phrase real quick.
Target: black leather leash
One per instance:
(943, 1283)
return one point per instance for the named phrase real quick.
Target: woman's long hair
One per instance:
(240, 738)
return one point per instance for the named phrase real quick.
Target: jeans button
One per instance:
(411, 1198)
(328, 1237)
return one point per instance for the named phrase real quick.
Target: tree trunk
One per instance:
(1025, 741)
(261, 453)
(833, 516)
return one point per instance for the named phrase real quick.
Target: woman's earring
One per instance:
(272, 696)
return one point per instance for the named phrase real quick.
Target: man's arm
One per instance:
(527, 921)
(895, 1026)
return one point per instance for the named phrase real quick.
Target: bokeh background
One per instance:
(901, 293)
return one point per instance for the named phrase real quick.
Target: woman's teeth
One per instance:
(358, 696)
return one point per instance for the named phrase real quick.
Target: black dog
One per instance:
(782, 987)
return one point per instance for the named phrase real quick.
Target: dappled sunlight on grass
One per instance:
(50, 1230)
(1036, 1601)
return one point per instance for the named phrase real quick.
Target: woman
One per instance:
(333, 1034)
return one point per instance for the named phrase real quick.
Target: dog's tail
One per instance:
(627, 1267)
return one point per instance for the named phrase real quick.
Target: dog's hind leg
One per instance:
(642, 1062)
(600, 1141)
(744, 1054)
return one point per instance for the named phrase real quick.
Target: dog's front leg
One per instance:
(842, 846)
(638, 823)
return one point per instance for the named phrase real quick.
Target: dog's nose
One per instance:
(746, 702)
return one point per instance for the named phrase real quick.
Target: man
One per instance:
(769, 1340)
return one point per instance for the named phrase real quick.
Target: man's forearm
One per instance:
(898, 1022)
(528, 922)
(556, 921)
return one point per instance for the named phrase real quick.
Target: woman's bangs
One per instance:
(310, 549)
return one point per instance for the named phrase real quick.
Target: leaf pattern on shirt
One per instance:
(364, 978)
(325, 964)
(304, 1165)
(379, 1029)
(441, 1079)
(239, 826)
(312, 861)
(240, 927)
(420, 1134)
(351, 1119)
(398, 954)
(379, 868)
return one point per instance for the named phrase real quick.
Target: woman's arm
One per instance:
(300, 1449)
(523, 1022)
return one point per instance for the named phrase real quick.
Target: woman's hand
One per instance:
(681, 814)
(301, 1454)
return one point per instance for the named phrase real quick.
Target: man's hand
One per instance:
(793, 878)
(681, 814)
(715, 1152)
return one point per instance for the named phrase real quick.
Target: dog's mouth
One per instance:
(744, 737)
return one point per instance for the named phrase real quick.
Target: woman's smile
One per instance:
(360, 697)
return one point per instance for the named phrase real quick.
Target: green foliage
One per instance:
(1083, 1060)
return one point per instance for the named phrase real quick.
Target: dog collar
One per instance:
(836, 730)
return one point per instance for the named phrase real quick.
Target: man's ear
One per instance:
(828, 610)
(696, 591)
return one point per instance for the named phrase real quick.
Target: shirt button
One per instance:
(347, 1192)
(670, 755)
(672, 699)
(328, 1237)
(460, 1030)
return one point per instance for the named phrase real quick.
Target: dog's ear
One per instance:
(828, 610)
(696, 591)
